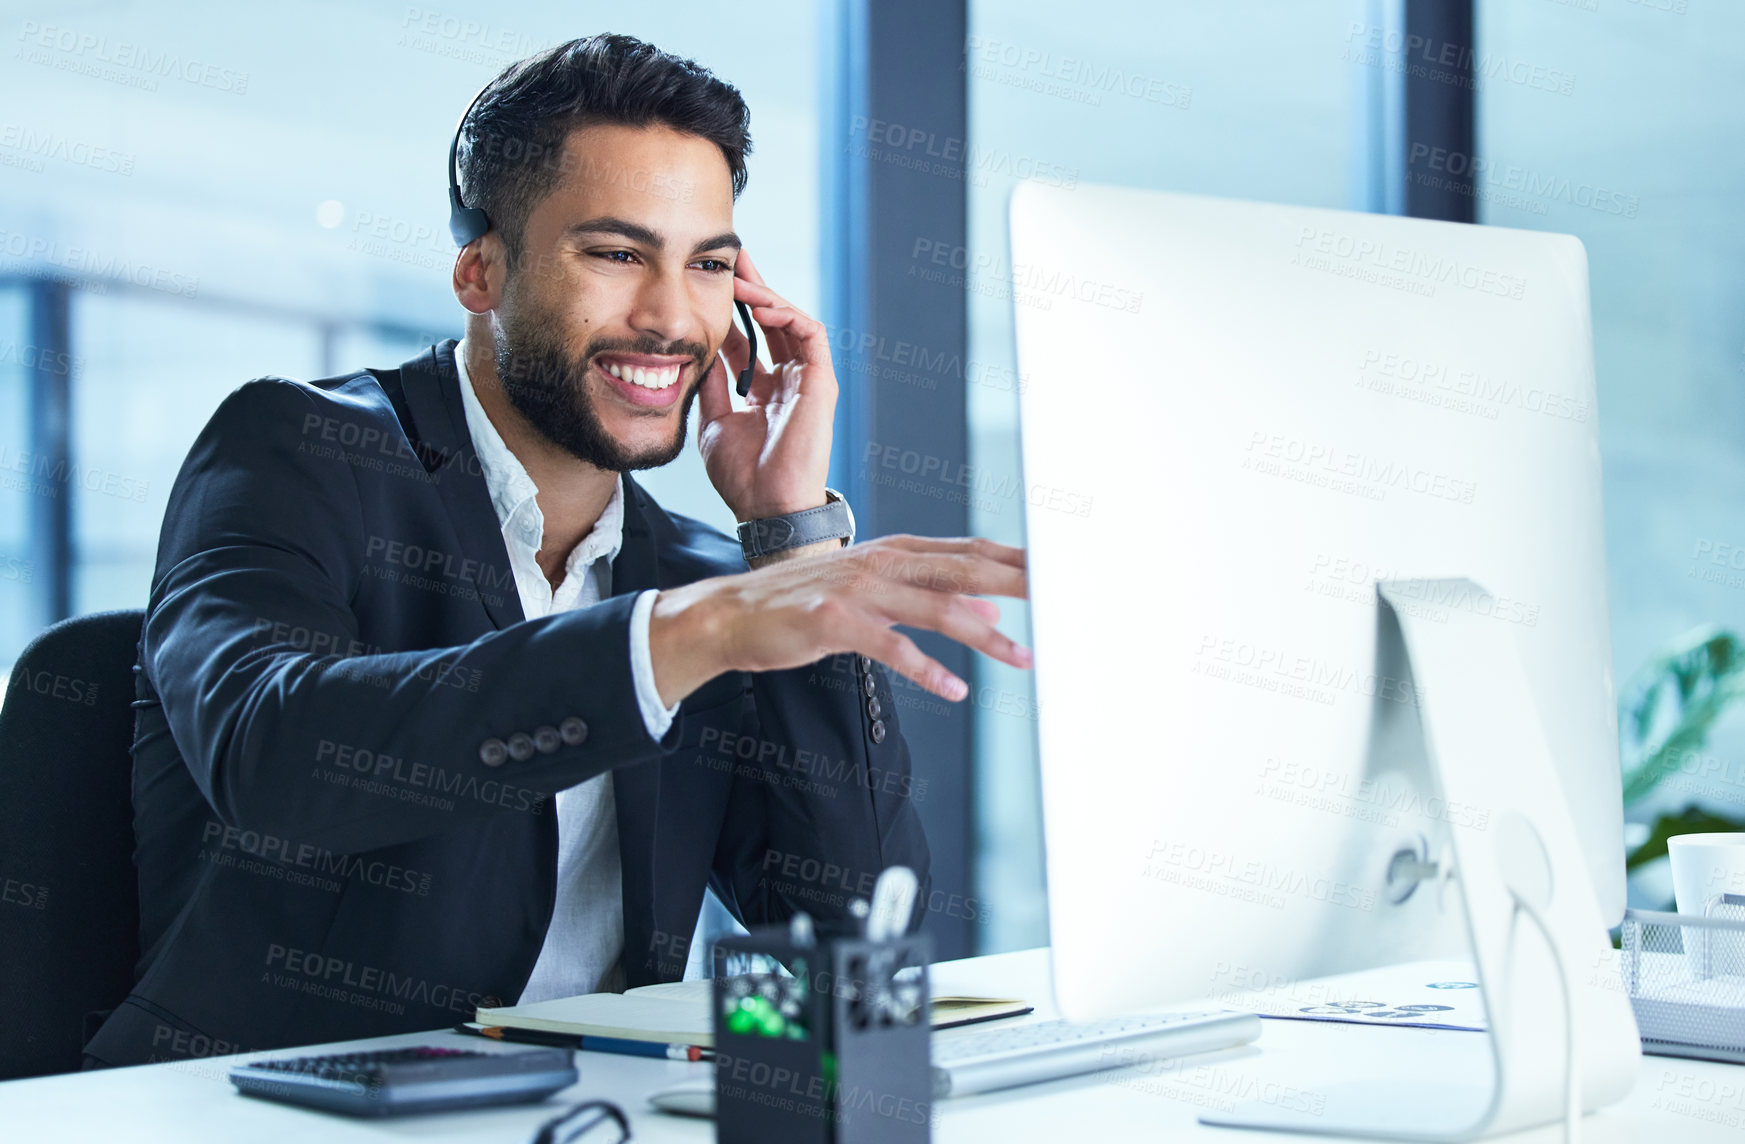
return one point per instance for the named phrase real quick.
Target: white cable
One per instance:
(1571, 1076)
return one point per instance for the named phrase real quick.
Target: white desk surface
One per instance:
(1688, 1102)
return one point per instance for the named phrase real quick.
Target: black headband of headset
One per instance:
(468, 223)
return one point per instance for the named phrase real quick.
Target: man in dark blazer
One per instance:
(437, 708)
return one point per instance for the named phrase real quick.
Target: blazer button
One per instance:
(521, 746)
(874, 708)
(868, 685)
(546, 740)
(573, 731)
(878, 731)
(493, 752)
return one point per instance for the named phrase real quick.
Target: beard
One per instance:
(549, 388)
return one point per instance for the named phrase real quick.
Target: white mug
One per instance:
(1705, 866)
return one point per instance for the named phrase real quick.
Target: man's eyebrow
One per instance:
(636, 232)
(728, 240)
(606, 224)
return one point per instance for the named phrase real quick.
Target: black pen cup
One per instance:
(822, 1043)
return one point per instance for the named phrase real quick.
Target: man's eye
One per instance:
(715, 265)
(615, 255)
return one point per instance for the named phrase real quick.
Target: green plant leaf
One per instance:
(1690, 820)
(1670, 704)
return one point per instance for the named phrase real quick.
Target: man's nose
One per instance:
(663, 308)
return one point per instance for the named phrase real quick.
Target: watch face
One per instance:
(835, 497)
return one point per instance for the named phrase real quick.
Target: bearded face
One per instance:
(558, 392)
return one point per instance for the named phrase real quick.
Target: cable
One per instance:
(1571, 1077)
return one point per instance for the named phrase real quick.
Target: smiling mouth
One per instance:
(648, 377)
(645, 380)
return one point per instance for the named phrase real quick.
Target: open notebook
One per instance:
(677, 1012)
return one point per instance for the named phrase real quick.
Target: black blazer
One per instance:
(348, 739)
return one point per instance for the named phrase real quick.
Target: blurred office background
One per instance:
(194, 194)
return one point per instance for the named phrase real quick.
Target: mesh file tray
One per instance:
(1685, 976)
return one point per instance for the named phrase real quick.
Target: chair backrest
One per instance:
(69, 894)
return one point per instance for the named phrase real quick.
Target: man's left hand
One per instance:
(773, 456)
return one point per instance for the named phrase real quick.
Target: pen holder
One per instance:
(1685, 977)
(822, 1043)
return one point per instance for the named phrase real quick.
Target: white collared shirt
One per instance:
(585, 942)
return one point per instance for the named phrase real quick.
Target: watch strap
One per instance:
(771, 534)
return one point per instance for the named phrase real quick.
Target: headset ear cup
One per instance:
(464, 223)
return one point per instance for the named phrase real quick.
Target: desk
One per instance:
(1691, 1102)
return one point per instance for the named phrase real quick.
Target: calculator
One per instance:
(392, 1082)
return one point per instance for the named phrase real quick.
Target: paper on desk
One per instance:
(1418, 994)
(677, 1012)
(949, 1009)
(661, 1018)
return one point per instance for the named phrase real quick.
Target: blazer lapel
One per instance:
(432, 386)
(637, 566)
(636, 790)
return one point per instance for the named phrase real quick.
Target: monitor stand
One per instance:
(1486, 749)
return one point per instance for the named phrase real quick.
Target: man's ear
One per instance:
(479, 273)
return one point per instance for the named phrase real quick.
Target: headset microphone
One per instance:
(744, 386)
(468, 223)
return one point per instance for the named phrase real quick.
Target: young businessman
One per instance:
(437, 707)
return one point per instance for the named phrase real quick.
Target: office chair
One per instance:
(69, 895)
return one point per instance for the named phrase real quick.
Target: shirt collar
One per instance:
(515, 496)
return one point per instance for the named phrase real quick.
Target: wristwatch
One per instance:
(832, 520)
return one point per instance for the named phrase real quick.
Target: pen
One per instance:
(521, 1036)
(644, 1049)
(589, 1043)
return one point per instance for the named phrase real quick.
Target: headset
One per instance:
(468, 223)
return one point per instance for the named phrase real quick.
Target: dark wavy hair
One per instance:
(512, 145)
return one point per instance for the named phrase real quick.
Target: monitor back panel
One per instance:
(1237, 417)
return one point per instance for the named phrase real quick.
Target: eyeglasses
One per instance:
(593, 1113)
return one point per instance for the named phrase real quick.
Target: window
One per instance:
(1634, 150)
(1251, 100)
(280, 209)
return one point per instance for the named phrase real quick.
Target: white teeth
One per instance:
(646, 378)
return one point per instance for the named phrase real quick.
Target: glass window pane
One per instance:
(1637, 154)
(1247, 99)
(155, 369)
(18, 581)
(263, 218)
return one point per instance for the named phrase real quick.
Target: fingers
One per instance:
(899, 653)
(953, 573)
(954, 617)
(950, 616)
(764, 383)
(712, 400)
(791, 332)
(735, 348)
(796, 338)
(758, 296)
(754, 295)
(969, 545)
(986, 609)
(745, 268)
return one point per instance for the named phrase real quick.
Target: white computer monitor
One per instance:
(1237, 418)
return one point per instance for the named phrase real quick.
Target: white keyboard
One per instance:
(982, 1060)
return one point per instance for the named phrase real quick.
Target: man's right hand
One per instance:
(796, 612)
